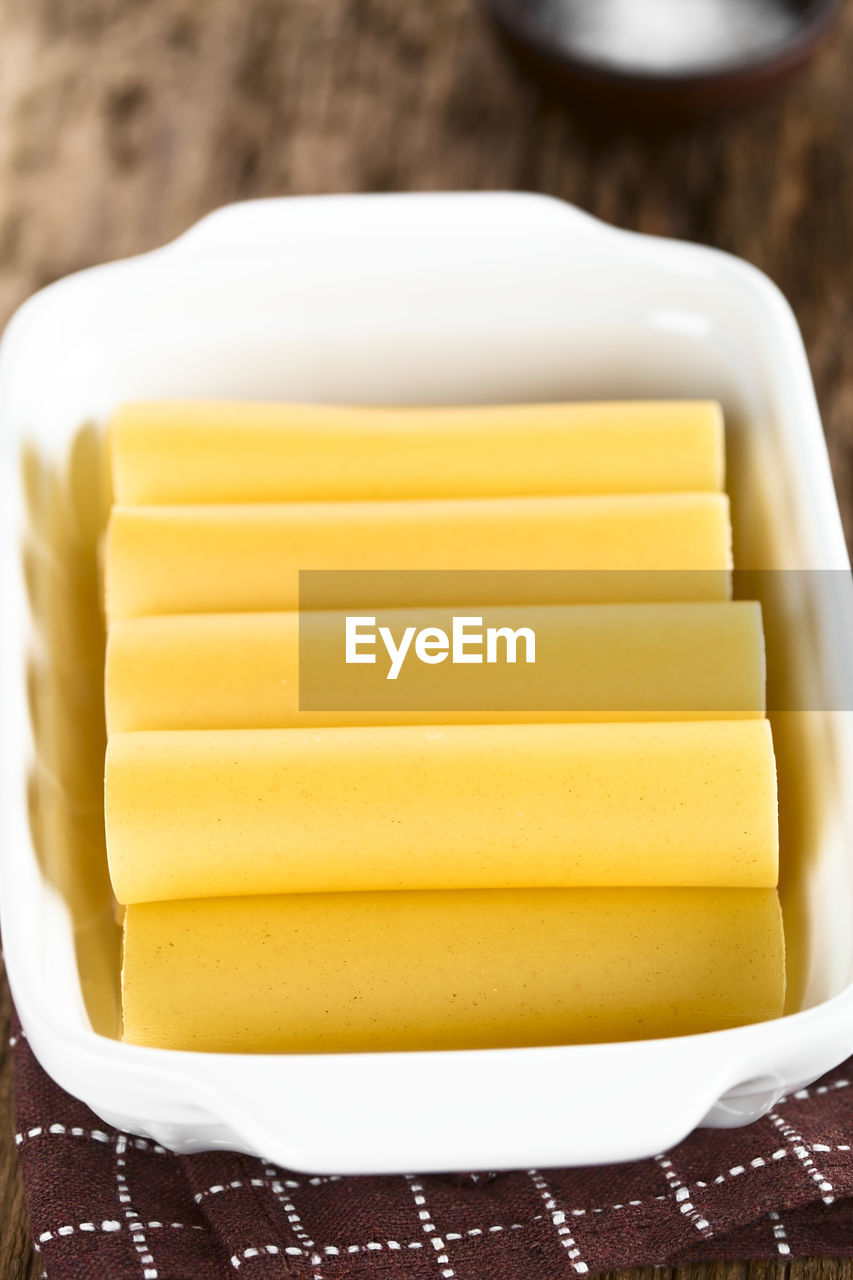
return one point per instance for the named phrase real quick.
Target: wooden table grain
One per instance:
(122, 121)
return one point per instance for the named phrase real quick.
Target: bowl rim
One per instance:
(778, 58)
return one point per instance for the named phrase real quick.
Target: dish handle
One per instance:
(279, 223)
(468, 1110)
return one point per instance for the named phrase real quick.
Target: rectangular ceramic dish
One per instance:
(440, 299)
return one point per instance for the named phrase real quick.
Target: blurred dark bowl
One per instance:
(616, 88)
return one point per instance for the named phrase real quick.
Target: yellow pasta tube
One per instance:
(616, 661)
(321, 973)
(212, 559)
(182, 451)
(223, 812)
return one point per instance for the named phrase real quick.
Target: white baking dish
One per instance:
(441, 299)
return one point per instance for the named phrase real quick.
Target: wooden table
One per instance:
(121, 122)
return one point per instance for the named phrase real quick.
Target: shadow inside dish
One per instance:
(66, 508)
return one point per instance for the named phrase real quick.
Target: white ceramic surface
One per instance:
(455, 298)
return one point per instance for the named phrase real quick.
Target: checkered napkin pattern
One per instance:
(105, 1204)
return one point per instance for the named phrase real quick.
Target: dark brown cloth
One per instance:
(104, 1204)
